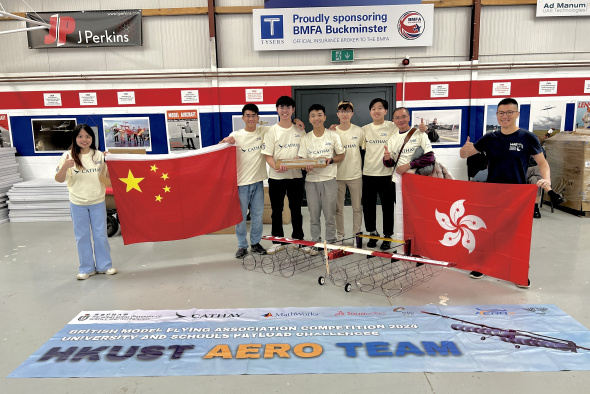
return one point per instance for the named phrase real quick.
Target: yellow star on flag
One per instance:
(159, 198)
(166, 189)
(154, 168)
(131, 182)
(164, 176)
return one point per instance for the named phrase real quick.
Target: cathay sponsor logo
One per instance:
(459, 227)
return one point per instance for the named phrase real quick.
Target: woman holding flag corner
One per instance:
(84, 169)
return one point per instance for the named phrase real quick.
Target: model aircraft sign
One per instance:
(83, 29)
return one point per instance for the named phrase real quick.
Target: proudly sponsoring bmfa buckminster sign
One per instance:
(337, 27)
(563, 8)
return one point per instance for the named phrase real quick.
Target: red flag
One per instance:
(483, 227)
(168, 197)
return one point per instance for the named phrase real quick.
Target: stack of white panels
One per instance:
(9, 175)
(39, 200)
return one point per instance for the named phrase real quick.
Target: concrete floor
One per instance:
(39, 294)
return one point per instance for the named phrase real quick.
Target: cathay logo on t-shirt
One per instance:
(350, 146)
(289, 146)
(253, 149)
(377, 141)
(319, 152)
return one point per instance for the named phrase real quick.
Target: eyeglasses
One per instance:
(344, 112)
(401, 117)
(509, 113)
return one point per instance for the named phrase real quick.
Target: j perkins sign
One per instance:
(87, 29)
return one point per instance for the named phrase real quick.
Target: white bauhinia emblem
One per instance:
(459, 226)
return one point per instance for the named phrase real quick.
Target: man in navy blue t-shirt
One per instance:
(508, 151)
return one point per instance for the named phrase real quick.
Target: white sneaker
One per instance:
(310, 251)
(339, 238)
(275, 248)
(85, 276)
(110, 271)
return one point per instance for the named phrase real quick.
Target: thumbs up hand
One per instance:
(422, 127)
(468, 149)
(69, 163)
(387, 154)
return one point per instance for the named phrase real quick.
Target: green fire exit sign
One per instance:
(342, 55)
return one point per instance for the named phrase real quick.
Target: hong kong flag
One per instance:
(483, 227)
(168, 197)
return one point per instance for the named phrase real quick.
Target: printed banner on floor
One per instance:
(169, 197)
(484, 227)
(426, 338)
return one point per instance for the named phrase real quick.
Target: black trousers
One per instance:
(383, 187)
(293, 189)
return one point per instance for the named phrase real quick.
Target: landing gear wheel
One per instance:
(347, 287)
(321, 280)
(112, 226)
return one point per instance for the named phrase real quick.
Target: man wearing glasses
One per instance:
(508, 151)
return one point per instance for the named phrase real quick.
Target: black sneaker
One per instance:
(372, 242)
(556, 199)
(257, 248)
(523, 286)
(385, 245)
(476, 275)
(241, 253)
(537, 213)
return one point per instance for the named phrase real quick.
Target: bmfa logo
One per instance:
(411, 25)
(59, 29)
(271, 27)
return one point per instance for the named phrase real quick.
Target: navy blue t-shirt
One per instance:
(508, 155)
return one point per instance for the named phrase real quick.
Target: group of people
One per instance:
(388, 146)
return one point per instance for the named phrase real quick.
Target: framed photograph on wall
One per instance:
(5, 137)
(443, 124)
(582, 119)
(546, 116)
(183, 129)
(52, 135)
(127, 132)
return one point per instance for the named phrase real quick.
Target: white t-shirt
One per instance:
(328, 145)
(351, 166)
(84, 184)
(396, 141)
(374, 145)
(281, 143)
(251, 163)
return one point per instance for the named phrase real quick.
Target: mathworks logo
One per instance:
(411, 25)
(271, 27)
(290, 314)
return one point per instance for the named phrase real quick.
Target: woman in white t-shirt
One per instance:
(83, 167)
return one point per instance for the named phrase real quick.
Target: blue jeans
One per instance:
(253, 196)
(87, 218)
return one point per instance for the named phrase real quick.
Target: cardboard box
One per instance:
(229, 230)
(568, 155)
(266, 216)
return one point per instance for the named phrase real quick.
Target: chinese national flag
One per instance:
(483, 227)
(168, 197)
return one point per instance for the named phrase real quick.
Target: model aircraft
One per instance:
(517, 337)
(65, 125)
(45, 128)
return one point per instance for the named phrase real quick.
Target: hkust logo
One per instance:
(458, 226)
(411, 25)
(271, 29)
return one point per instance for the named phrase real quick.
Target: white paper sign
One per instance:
(407, 25)
(88, 98)
(586, 87)
(439, 90)
(52, 99)
(254, 95)
(501, 88)
(189, 96)
(126, 98)
(548, 87)
(563, 8)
